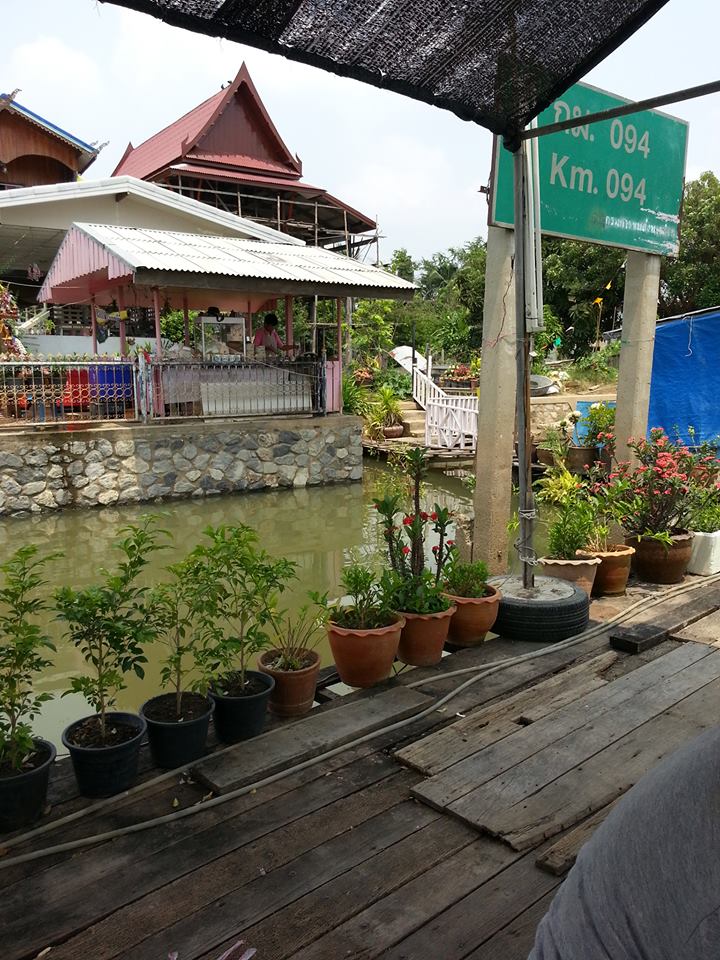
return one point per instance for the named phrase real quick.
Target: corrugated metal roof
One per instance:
(87, 149)
(168, 251)
(82, 189)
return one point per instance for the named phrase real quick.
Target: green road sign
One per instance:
(618, 182)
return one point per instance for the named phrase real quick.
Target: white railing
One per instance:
(451, 423)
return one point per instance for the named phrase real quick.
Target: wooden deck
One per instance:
(444, 839)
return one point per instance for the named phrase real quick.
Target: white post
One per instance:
(496, 408)
(642, 284)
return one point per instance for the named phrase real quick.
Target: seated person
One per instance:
(268, 337)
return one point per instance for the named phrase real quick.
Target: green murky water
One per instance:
(321, 529)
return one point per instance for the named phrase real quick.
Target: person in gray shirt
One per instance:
(646, 886)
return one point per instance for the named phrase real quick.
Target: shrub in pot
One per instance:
(240, 583)
(476, 602)
(25, 760)
(293, 662)
(653, 499)
(417, 592)
(110, 623)
(705, 526)
(178, 721)
(364, 632)
(384, 420)
(568, 534)
(615, 558)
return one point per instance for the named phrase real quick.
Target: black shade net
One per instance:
(496, 62)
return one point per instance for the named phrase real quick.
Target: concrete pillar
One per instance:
(496, 417)
(642, 284)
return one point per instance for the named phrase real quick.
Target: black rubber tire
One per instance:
(543, 621)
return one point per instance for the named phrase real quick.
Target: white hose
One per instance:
(481, 673)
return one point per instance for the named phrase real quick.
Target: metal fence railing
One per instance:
(33, 391)
(41, 392)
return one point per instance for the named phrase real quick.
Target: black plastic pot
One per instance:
(23, 796)
(239, 718)
(105, 771)
(175, 744)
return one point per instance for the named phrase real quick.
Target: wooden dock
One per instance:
(444, 839)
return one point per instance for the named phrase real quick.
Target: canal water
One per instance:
(322, 529)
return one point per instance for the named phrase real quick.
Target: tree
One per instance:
(403, 265)
(692, 281)
(469, 283)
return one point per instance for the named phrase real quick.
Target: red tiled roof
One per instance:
(243, 161)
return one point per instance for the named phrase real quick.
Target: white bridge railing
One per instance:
(450, 421)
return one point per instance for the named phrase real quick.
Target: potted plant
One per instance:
(552, 450)
(385, 417)
(417, 591)
(25, 760)
(240, 583)
(654, 504)
(580, 456)
(476, 602)
(705, 516)
(599, 426)
(365, 632)
(568, 534)
(615, 558)
(293, 662)
(462, 376)
(178, 721)
(110, 623)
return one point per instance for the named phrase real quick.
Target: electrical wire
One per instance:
(481, 673)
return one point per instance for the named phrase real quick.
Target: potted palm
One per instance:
(25, 760)
(476, 602)
(364, 632)
(293, 662)
(178, 721)
(568, 534)
(417, 590)
(654, 502)
(240, 583)
(385, 417)
(110, 623)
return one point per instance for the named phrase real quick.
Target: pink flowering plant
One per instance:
(416, 581)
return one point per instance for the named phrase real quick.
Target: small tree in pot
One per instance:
(178, 722)
(25, 760)
(239, 584)
(415, 581)
(293, 661)
(110, 623)
(364, 634)
(476, 602)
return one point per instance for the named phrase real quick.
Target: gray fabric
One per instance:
(647, 885)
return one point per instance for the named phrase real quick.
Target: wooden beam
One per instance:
(156, 311)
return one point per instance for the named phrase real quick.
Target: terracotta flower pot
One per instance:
(473, 617)
(294, 690)
(423, 637)
(393, 432)
(579, 457)
(364, 657)
(655, 563)
(580, 572)
(612, 574)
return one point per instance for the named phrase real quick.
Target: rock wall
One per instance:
(45, 470)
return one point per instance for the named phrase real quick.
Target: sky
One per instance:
(109, 74)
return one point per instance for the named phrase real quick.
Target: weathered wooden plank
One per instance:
(651, 627)
(449, 786)
(705, 630)
(606, 776)
(489, 724)
(272, 752)
(515, 941)
(382, 925)
(476, 918)
(83, 890)
(561, 856)
(498, 798)
(236, 910)
(303, 921)
(121, 931)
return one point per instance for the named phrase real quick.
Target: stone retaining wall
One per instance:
(45, 470)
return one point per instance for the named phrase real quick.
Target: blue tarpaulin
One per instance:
(685, 386)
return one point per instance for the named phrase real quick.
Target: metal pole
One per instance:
(338, 311)
(525, 504)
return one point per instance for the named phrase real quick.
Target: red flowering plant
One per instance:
(651, 498)
(415, 582)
